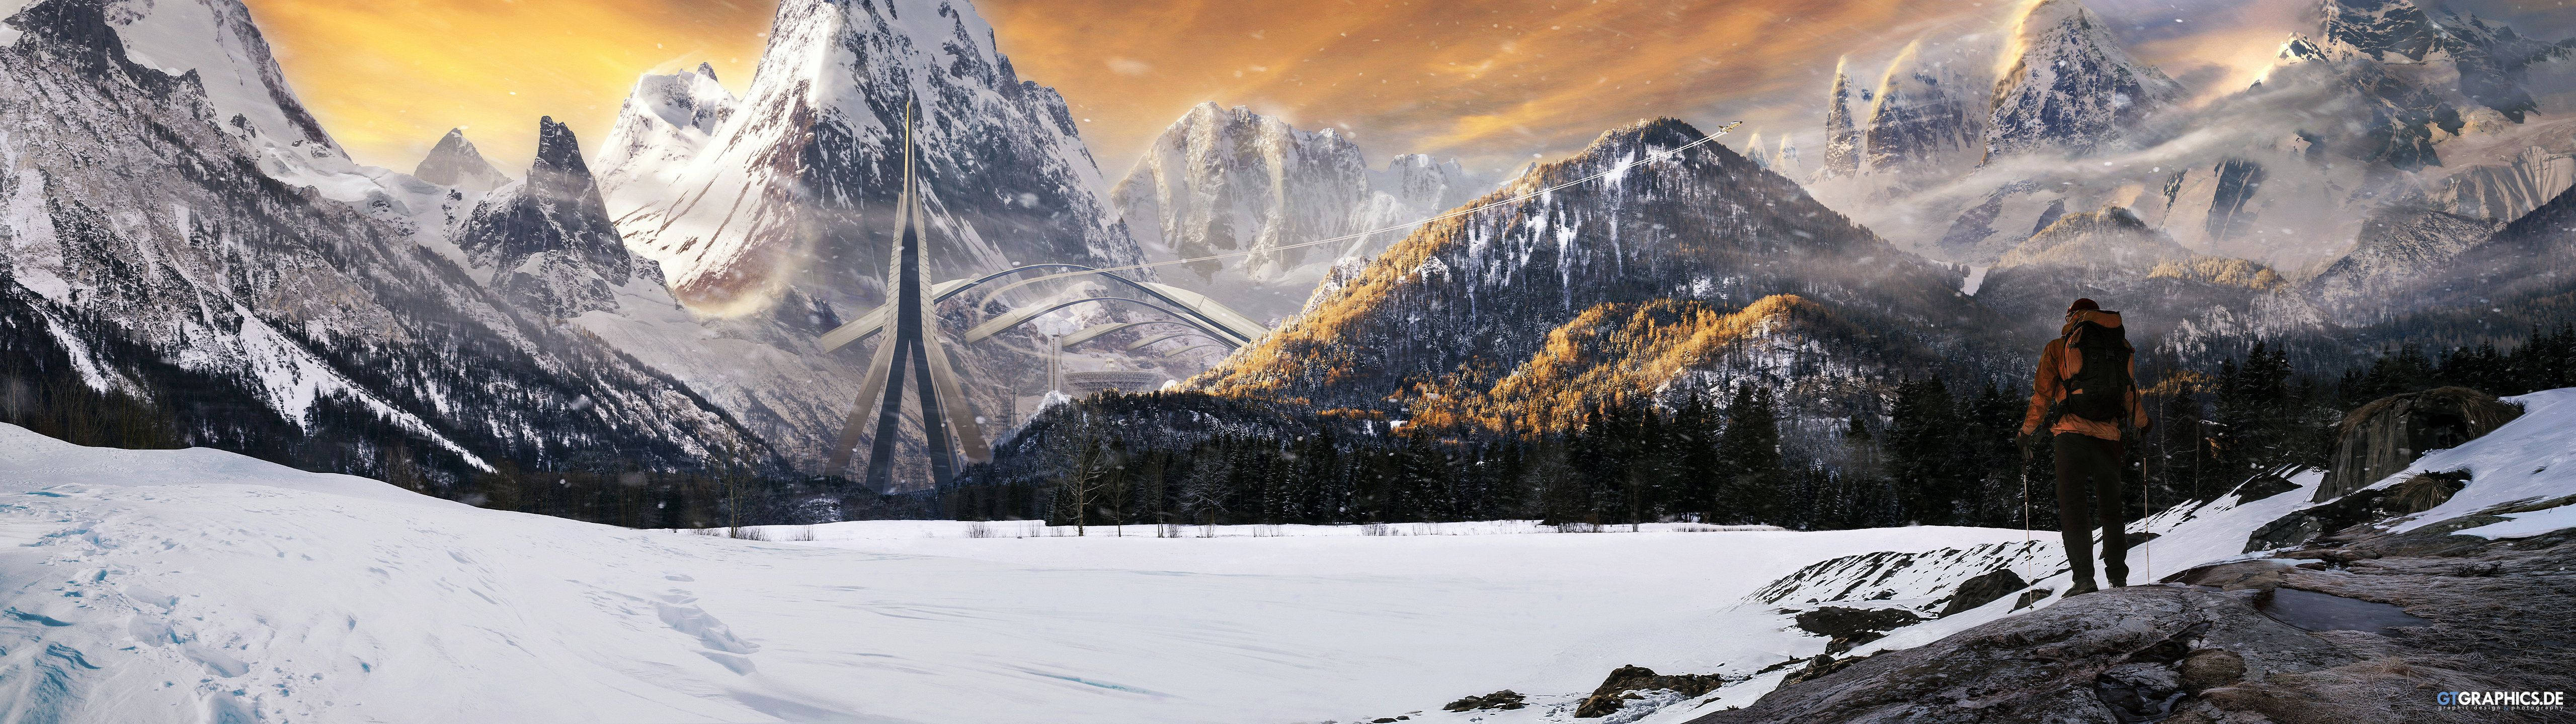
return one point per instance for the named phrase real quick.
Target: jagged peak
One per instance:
(557, 149)
(708, 70)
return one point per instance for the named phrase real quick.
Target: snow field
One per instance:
(183, 585)
(198, 585)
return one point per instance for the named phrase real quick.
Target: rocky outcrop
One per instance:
(1984, 589)
(1848, 627)
(1504, 700)
(2380, 439)
(2358, 636)
(1625, 682)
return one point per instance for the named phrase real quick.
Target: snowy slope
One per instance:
(663, 124)
(154, 585)
(2531, 459)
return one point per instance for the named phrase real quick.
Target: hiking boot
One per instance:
(2081, 587)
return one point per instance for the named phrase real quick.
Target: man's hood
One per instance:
(2106, 318)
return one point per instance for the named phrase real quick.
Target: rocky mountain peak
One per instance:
(2068, 85)
(1842, 139)
(558, 152)
(455, 162)
(707, 68)
(547, 241)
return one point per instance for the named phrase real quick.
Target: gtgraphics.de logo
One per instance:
(2501, 700)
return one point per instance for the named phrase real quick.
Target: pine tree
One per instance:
(1750, 446)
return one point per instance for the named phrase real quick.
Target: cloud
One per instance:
(1129, 66)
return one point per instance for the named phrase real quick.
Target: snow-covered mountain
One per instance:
(1929, 111)
(795, 190)
(454, 162)
(2388, 131)
(664, 123)
(1228, 180)
(1440, 320)
(2068, 86)
(215, 274)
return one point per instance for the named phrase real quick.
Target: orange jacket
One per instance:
(2056, 366)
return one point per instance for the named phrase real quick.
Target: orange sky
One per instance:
(1493, 81)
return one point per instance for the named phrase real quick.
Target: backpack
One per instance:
(2100, 390)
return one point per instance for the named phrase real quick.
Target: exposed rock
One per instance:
(2031, 596)
(547, 239)
(1501, 700)
(1850, 627)
(2262, 487)
(1984, 589)
(2472, 613)
(2380, 439)
(1616, 690)
(2423, 491)
(2210, 668)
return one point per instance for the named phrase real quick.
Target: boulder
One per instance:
(1850, 627)
(1984, 589)
(1624, 681)
(1501, 700)
(2381, 439)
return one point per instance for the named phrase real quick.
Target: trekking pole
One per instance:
(2025, 510)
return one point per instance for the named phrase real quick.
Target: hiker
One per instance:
(2087, 386)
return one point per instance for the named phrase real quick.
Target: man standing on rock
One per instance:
(2087, 383)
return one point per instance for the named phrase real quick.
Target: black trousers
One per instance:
(2088, 494)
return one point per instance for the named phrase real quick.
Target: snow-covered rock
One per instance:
(1221, 180)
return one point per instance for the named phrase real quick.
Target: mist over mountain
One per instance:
(1227, 180)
